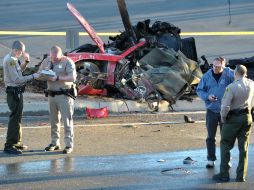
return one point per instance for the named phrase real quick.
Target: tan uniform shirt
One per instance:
(238, 95)
(13, 72)
(65, 67)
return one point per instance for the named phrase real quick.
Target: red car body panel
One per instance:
(102, 56)
(87, 27)
(88, 90)
(78, 56)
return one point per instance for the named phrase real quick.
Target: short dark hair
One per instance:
(241, 70)
(56, 49)
(220, 59)
(18, 45)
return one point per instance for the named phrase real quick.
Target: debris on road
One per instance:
(96, 112)
(188, 160)
(161, 160)
(188, 119)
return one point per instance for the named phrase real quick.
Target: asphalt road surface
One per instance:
(125, 156)
(114, 154)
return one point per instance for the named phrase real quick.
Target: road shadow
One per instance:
(30, 153)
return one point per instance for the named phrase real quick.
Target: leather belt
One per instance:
(239, 111)
(15, 89)
(53, 93)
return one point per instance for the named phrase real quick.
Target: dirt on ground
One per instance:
(99, 137)
(116, 135)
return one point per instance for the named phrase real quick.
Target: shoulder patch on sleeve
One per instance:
(226, 91)
(12, 63)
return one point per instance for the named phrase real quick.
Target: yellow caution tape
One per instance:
(239, 33)
(101, 33)
(34, 33)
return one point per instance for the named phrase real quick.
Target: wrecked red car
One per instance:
(147, 62)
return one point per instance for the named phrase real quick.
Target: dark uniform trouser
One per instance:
(14, 132)
(212, 121)
(237, 126)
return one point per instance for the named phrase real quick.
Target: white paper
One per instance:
(48, 73)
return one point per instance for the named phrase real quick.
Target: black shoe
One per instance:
(210, 164)
(67, 150)
(218, 177)
(12, 150)
(239, 179)
(52, 147)
(21, 147)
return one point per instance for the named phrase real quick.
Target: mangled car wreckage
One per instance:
(146, 62)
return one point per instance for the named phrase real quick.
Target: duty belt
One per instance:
(15, 89)
(67, 92)
(52, 93)
(239, 111)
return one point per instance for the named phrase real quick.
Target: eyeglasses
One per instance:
(217, 67)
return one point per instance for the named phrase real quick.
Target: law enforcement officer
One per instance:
(211, 89)
(237, 119)
(60, 94)
(14, 83)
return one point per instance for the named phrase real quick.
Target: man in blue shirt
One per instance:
(211, 90)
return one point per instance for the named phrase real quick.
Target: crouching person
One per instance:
(60, 98)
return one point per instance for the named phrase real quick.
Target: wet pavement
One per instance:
(137, 171)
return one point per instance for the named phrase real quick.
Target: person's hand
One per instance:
(36, 75)
(26, 57)
(212, 98)
(54, 78)
(223, 119)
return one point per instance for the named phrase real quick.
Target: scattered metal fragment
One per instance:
(188, 119)
(175, 171)
(130, 126)
(188, 160)
(157, 130)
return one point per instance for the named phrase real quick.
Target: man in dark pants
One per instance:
(211, 89)
(14, 83)
(237, 120)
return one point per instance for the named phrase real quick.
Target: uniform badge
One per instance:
(12, 63)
